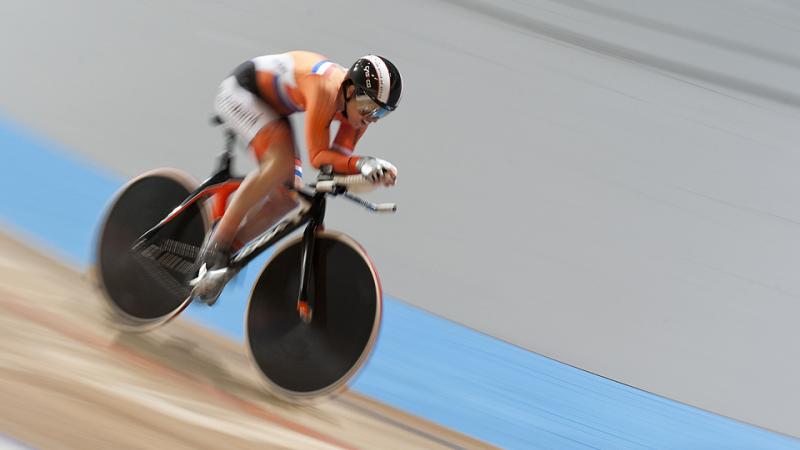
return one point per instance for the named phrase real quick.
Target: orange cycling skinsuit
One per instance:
(271, 87)
(255, 102)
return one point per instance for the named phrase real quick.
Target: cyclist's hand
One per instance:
(377, 170)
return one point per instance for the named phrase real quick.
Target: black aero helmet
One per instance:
(377, 78)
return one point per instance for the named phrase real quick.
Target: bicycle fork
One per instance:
(305, 303)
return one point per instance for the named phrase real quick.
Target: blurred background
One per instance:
(597, 237)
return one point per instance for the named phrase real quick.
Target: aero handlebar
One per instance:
(341, 184)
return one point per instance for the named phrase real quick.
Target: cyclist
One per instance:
(255, 102)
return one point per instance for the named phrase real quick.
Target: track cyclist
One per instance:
(255, 102)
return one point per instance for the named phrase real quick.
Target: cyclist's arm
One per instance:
(320, 109)
(347, 137)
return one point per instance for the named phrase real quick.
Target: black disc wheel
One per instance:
(147, 287)
(306, 360)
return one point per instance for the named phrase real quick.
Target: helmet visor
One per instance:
(368, 107)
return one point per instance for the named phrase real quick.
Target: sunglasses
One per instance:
(368, 108)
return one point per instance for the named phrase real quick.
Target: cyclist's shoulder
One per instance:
(323, 79)
(315, 65)
(299, 58)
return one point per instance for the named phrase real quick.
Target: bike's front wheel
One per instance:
(307, 360)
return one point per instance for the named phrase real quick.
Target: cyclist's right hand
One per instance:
(377, 170)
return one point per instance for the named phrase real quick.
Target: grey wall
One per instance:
(610, 183)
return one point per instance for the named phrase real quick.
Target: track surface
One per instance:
(176, 387)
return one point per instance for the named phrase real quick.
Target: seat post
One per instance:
(230, 140)
(225, 159)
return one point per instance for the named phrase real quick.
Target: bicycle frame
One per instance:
(312, 217)
(219, 187)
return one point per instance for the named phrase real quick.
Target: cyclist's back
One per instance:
(285, 80)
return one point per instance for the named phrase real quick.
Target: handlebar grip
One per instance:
(354, 183)
(386, 207)
(325, 186)
(350, 180)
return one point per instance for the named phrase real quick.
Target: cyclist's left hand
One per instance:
(378, 170)
(389, 177)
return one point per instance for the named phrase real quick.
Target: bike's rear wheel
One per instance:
(147, 288)
(304, 361)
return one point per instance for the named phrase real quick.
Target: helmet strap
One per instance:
(345, 85)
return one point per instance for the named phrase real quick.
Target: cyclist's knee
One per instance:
(274, 141)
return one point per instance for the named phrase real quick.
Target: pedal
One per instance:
(209, 284)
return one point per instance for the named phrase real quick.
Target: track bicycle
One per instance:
(313, 314)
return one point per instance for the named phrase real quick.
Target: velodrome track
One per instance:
(648, 157)
(69, 380)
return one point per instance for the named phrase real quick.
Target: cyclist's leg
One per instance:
(272, 208)
(275, 146)
(258, 124)
(280, 202)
